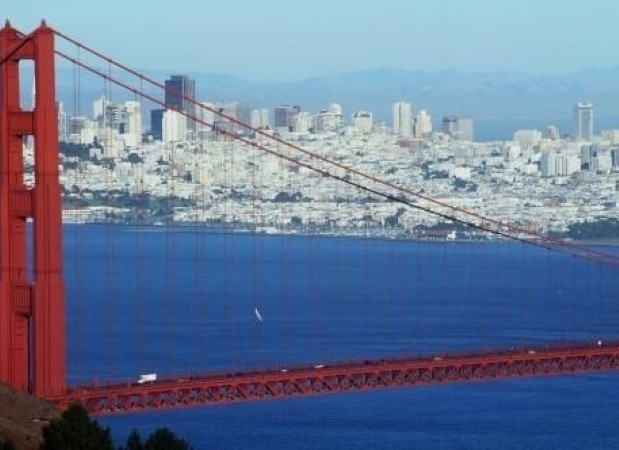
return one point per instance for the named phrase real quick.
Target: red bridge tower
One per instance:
(32, 299)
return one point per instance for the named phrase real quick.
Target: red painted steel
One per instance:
(15, 289)
(32, 308)
(331, 379)
(32, 303)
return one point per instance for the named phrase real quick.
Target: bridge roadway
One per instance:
(337, 378)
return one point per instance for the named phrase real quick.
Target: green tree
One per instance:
(607, 228)
(75, 431)
(134, 441)
(164, 439)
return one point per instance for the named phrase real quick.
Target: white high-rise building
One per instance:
(583, 122)
(558, 165)
(133, 124)
(260, 118)
(402, 118)
(330, 119)
(174, 126)
(303, 122)
(362, 121)
(600, 160)
(423, 124)
(98, 108)
(63, 123)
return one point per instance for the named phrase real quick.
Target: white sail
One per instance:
(258, 315)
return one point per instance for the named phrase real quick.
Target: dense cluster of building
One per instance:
(541, 179)
(120, 125)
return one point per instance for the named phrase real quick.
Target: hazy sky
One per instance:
(281, 40)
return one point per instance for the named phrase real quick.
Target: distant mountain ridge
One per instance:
(485, 96)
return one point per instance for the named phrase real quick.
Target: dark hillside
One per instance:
(22, 418)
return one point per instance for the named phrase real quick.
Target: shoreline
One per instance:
(599, 242)
(349, 235)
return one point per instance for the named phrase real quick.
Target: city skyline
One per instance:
(286, 117)
(293, 118)
(326, 38)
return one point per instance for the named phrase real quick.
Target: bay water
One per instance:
(182, 301)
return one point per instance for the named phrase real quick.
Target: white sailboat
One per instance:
(258, 315)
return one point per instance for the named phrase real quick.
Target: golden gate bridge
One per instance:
(33, 330)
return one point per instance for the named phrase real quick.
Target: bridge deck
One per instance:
(336, 378)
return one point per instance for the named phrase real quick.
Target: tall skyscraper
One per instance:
(179, 90)
(402, 118)
(132, 124)
(285, 117)
(156, 123)
(63, 123)
(583, 122)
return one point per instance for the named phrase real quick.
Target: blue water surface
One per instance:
(182, 301)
